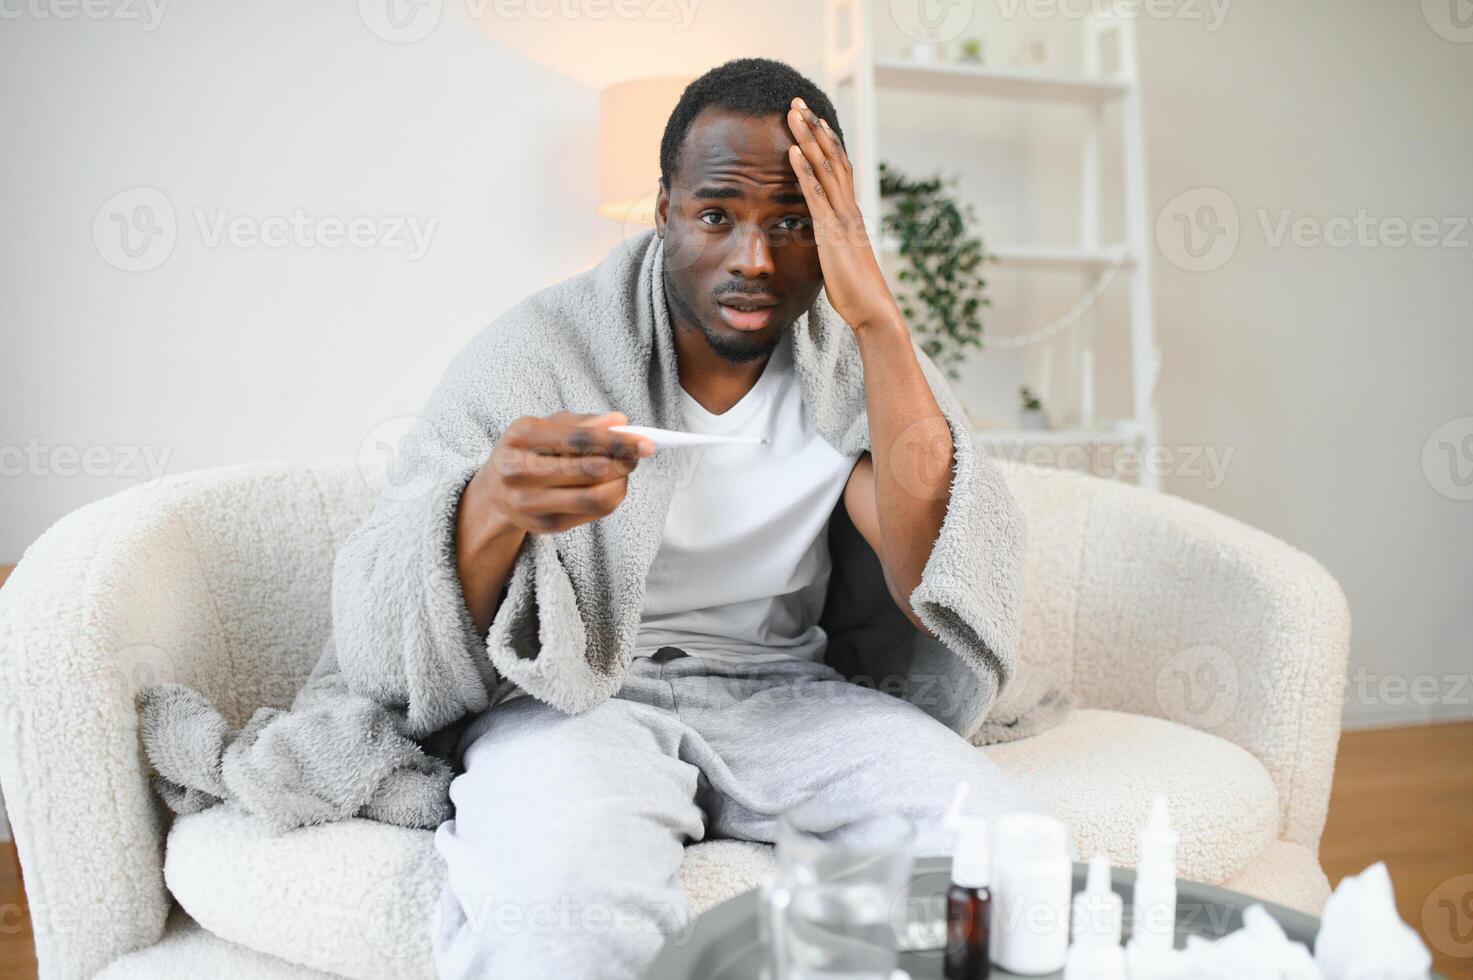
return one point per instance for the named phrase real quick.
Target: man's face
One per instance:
(737, 233)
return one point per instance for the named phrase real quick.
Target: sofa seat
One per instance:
(356, 898)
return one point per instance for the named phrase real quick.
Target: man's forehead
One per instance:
(728, 147)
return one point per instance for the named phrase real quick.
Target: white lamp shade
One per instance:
(631, 122)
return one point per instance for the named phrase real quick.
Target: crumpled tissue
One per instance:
(1360, 938)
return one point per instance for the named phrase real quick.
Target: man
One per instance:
(708, 737)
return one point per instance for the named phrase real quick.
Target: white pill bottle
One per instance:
(1032, 884)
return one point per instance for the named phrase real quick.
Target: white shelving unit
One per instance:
(1108, 77)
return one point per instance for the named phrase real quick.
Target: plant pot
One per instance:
(1032, 419)
(928, 52)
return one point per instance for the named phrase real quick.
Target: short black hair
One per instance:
(751, 86)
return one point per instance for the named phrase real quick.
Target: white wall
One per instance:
(485, 126)
(1329, 368)
(1323, 370)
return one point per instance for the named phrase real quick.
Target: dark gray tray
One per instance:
(723, 944)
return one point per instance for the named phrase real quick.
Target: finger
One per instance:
(561, 502)
(819, 206)
(571, 438)
(528, 468)
(829, 141)
(813, 152)
(837, 148)
(644, 443)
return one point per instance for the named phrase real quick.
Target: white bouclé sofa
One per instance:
(1206, 661)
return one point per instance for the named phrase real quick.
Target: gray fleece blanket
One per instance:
(372, 733)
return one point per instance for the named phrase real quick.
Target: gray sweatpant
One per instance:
(569, 830)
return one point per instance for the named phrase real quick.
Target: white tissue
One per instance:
(1361, 935)
(1258, 950)
(1360, 938)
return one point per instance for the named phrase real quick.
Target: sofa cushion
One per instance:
(1099, 770)
(357, 897)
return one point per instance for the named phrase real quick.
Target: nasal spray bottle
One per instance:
(968, 900)
(1153, 904)
(1095, 953)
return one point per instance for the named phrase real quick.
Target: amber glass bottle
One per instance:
(969, 905)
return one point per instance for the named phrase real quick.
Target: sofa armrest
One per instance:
(217, 580)
(1186, 614)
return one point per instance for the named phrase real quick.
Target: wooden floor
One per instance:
(17, 954)
(1402, 795)
(1405, 796)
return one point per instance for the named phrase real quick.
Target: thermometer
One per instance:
(672, 439)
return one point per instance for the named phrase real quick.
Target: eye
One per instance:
(798, 222)
(708, 214)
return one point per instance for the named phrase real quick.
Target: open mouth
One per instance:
(747, 314)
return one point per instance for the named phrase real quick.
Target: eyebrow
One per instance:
(730, 193)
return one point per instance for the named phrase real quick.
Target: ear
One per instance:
(662, 208)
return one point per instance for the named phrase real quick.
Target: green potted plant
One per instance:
(1031, 415)
(942, 290)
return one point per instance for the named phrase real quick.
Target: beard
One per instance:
(734, 350)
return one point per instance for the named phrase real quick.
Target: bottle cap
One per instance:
(1032, 837)
(971, 866)
(971, 862)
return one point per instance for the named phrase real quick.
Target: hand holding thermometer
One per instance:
(672, 439)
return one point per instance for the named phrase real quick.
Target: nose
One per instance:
(751, 253)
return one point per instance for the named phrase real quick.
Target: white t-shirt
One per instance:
(743, 566)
